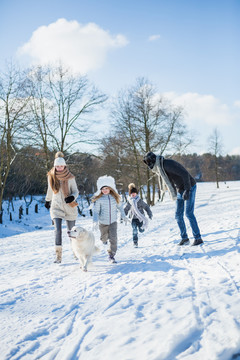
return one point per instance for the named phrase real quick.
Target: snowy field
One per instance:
(160, 301)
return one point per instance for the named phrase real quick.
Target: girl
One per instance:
(61, 194)
(137, 207)
(106, 203)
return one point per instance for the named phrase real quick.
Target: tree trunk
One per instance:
(148, 188)
(1, 216)
(153, 191)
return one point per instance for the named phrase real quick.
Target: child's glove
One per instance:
(126, 221)
(95, 226)
(150, 217)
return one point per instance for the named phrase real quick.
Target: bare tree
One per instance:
(126, 135)
(61, 102)
(13, 123)
(73, 98)
(215, 147)
(149, 123)
(41, 111)
(116, 160)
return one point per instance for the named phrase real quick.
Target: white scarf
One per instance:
(159, 170)
(135, 211)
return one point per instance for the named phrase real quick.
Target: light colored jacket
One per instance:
(105, 210)
(59, 208)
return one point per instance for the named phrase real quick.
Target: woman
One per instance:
(61, 195)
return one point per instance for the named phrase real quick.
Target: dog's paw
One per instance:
(83, 268)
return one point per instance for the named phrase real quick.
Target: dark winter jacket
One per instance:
(178, 175)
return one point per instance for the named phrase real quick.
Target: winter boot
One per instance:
(197, 242)
(184, 242)
(112, 259)
(135, 244)
(58, 250)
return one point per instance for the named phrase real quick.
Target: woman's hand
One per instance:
(47, 205)
(69, 199)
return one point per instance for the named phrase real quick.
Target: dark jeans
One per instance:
(58, 229)
(136, 225)
(189, 211)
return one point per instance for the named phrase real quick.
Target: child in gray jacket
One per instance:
(106, 203)
(137, 206)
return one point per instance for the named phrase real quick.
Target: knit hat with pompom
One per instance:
(132, 189)
(59, 159)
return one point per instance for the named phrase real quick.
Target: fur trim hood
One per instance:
(105, 181)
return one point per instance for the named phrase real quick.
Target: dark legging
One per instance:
(58, 229)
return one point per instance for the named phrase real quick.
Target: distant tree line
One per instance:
(28, 174)
(44, 110)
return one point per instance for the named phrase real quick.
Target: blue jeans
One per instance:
(58, 229)
(189, 212)
(136, 224)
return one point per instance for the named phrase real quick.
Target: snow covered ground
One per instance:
(160, 301)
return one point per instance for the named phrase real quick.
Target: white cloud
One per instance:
(202, 108)
(237, 103)
(154, 37)
(204, 113)
(235, 151)
(81, 47)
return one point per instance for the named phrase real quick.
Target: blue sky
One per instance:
(189, 49)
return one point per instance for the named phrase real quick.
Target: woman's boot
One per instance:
(58, 250)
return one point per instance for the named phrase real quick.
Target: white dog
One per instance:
(83, 245)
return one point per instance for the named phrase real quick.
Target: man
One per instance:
(182, 188)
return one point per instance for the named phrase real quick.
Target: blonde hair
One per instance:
(112, 192)
(54, 182)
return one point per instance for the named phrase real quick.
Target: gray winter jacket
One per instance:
(141, 207)
(105, 210)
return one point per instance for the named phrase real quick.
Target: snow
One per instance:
(160, 301)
